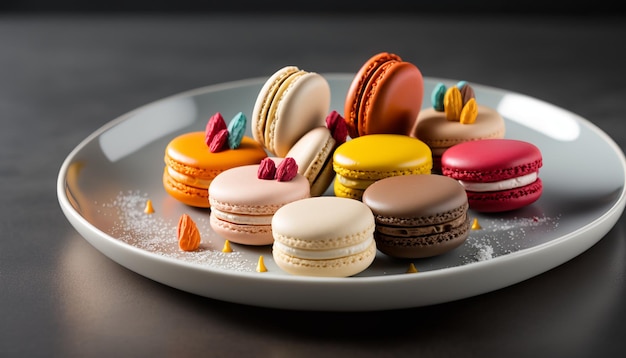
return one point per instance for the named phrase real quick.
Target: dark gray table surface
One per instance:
(62, 77)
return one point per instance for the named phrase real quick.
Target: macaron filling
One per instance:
(242, 219)
(505, 184)
(408, 231)
(324, 254)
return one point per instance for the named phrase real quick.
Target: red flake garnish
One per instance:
(337, 125)
(215, 124)
(267, 169)
(287, 169)
(219, 141)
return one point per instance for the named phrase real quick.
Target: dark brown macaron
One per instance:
(418, 216)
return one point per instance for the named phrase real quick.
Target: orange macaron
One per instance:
(384, 97)
(190, 166)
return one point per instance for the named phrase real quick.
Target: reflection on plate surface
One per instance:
(104, 183)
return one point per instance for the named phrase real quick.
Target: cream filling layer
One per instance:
(186, 179)
(500, 185)
(242, 219)
(323, 254)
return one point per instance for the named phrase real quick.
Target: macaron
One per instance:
(290, 103)
(314, 155)
(324, 236)
(418, 216)
(385, 96)
(497, 174)
(441, 127)
(361, 161)
(243, 204)
(190, 166)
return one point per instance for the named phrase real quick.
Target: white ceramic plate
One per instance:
(106, 180)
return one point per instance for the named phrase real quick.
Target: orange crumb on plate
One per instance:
(411, 269)
(149, 208)
(227, 247)
(261, 265)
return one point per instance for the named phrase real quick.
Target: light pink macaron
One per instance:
(242, 204)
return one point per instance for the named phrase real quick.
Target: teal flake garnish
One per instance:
(236, 130)
(437, 96)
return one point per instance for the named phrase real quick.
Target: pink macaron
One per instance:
(243, 204)
(497, 174)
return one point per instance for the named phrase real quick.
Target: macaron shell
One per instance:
(357, 88)
(439, 133)
(313, 154)
(416, 200)
(189, 154)
(238, 190)
(264, 100)
(340, 267)
(380, 155)
(507, 200)
(323, 222)
(491, 160)
(299, 107)
(392, 100)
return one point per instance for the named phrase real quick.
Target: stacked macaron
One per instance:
(244, 199)
(314, 152)
(418, 215)
(497, 174)
(385, 96)
(455, 117)
(194, 159)
(361, 161)
(324, 236)
(290, 103)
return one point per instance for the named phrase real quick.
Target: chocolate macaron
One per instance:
(418, 215)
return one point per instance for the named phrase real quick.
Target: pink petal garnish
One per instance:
(215, 124)
(287, 169)
(267, 169)
(337, 125)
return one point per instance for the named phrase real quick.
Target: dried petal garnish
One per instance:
(337, 126)
(469, 112)
(188, 234)
(215, 124)
(453, 103)
(287, 169)
(219, 141)
(267, 169)
(236, 130)
(437, 97)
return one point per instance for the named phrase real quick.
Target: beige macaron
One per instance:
(314, 155)
(290, 103)
(324, 236)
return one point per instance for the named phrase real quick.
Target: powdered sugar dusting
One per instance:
(501, 236)
(157, 234)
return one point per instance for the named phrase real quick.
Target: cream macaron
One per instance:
(290, 103)
(324, 236)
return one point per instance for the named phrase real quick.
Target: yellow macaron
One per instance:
(361, 161)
